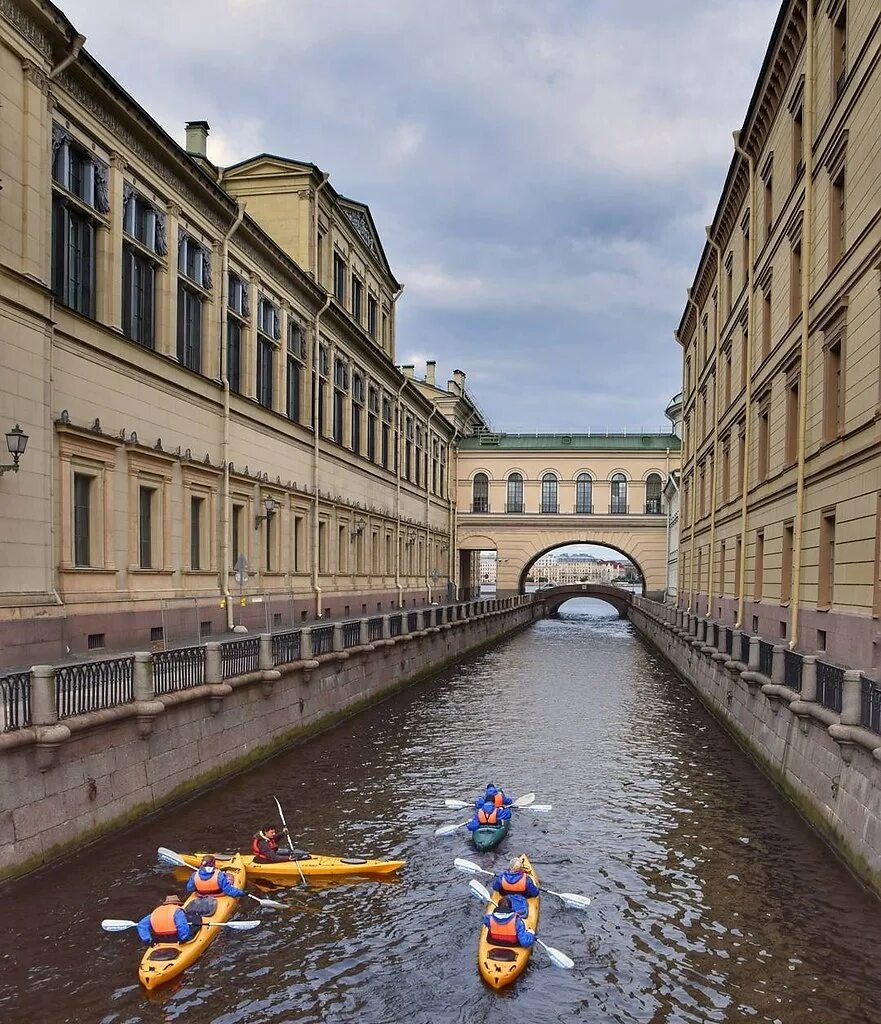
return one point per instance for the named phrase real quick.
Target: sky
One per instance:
(540, 171)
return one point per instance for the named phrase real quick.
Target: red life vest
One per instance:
(208, 886)
(487, 819)
(162, 922)
(503, 932)
(255, 844)
(518, 886)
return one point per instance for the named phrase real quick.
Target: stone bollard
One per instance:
(264, 655)
(701, 631)
(306, 643)
(420, 622)
(44, 710)
(851, 697)
(386, 627)
(753, 665)
(808, 677)
(213, 667)
(364, 633)
(339, 637)
(142, 677)
(778, 665)
(736, 634)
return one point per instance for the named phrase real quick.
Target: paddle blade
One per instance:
(109, 925)
(478, 890)
(448, 830)
(460, 864)
(272, 904)
(237, 926)
(558, 957)
(525, 800)
(170, 857)
(541, 808)
(573, 899)
(456, 805)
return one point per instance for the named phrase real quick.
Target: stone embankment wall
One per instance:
(804, 721)
(67, 778)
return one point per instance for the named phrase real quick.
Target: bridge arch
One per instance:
(564, 544)
(619, 599)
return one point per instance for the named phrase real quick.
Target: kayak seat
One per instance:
(506, 955)
(353, 860)
(203, 906)
(164, 953)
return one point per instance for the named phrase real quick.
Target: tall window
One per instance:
(618, 504)
(268, 333)
(766, 322)
(839, 51)
(514, 499)
(238, 515)
(764, 441)
(727, 378)
(143, 242)
(722, 567)
(653, 494)
(296, 357)
(746, 252)
(339, 277)
(442, 459)
(741, 457)
(372, 421)
(769, 201)
(237, 313)
(357, 297)
(792, 421)
(480, 493)
(837, 217)
(826, 578)
(340, 390)
(357, 410)
(729, 283)
(82, 517)
(386, 432)
(146, 497)
(196, 505)
(833, 391)
(194, 282)
(323, 374)
(726, 470)
(759, 565)
(738, 557)
(408, 448)
(583, 494)
(371, 316)
(744, 355)
(549, 489)
(786, 567)
(795, 281)
(798, 142)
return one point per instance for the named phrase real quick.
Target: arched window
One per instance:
(515, 493)
(583, 493)
(480, 493)
(549, 493)
(653, 494)
(618, 504)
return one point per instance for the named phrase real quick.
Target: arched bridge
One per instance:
(617, 597)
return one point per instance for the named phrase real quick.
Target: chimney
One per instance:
(408, 370)
(458, 382)
(430, 371)
(197, 138)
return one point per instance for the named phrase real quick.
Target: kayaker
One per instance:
(494, 796)
(266, 850)
(169, 922)
(209, 880)
(506, 927)
(488, 814)
(516, 884)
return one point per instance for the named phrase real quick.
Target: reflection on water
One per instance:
(711, 900)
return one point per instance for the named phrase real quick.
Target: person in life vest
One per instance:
(494, 796)
(169, 922)
(516, 884)
(488, 814)
(209, 880)
(266, 850)
(506, 927)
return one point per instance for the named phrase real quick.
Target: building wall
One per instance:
(836, 605)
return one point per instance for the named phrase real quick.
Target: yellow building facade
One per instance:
(202, 359)
(781, 478)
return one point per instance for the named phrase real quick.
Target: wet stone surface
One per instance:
(712, 901)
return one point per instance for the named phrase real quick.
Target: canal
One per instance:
(712, 901)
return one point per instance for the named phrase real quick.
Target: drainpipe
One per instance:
(73, 51)
(806, 246)
(428, 502)
(714, 476)
(693, 510)
(398, 461)
(751, 164)
(224, 442)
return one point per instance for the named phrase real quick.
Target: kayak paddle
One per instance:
(521, 801)
(170, 857)
(285, 827)
(448, 830)
(111, 925)
(571, 899)
(557, 956)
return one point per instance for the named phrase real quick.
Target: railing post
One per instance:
(851, 697)
(142, 677)
(420, 621)
(264, 656)
(306, 643)
(778, 665)
(364, 633)
(808, 677)
(339, 637)
(386, 627)
(44, 710)
(701, 630)
(213, 666)
(735, 644)
(754, 657)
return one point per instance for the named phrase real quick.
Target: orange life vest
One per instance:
(499, 799)
(518, 886)
(255, 844)
(487, 819)
(503, 932)
(208, 886)
(162, 921)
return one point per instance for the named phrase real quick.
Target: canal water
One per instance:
(712, 901)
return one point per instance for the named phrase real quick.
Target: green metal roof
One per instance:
(651, 442)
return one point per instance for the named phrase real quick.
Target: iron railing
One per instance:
(870, 704)
(830, 680)
(766, 658)
(178, 669)
(396, 626)
(322, 639)
(15, 701)
(744, 648)
(729, 641)
(451, 613)
(792, 665)
(412, 622)
(238, 657)
(93, 685)
(374, 628)
(286, 647)
(352, 633)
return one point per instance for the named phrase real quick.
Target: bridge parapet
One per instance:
(620, 599)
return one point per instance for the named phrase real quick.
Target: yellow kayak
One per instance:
(166, 960)
(500, 965)
(315, 866)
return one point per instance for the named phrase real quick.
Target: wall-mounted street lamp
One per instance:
(411, 537)
(358, 527)
(271, 506)
(16, 442)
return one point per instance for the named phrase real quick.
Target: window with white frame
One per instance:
(268, 334)
(194, 284)
(238, 313)
(144, 245)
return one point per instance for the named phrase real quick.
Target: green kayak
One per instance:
(488, 837)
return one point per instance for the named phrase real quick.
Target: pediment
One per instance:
(362, 223)
(267, 166)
